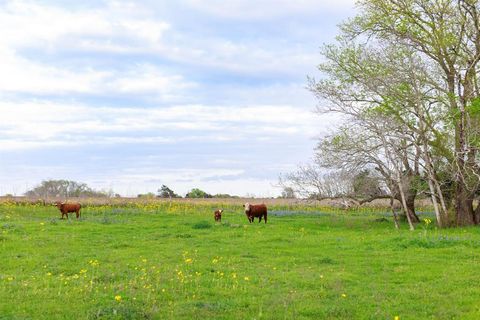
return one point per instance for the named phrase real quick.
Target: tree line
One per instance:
(68, 188)
(404, 76)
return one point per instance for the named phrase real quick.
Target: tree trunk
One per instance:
(405, 205)
(477, 214)
(463, 205)
(410, 199)
(434, 201)
(395, 217)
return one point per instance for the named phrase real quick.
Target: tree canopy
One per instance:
(65, 188)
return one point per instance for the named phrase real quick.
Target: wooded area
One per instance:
(404, 74)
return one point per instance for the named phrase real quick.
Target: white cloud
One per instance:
(45, 124)
(28, 24)
(128, 29)
(21, 75)
(147, 79)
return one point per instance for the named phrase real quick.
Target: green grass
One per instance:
(172, 261)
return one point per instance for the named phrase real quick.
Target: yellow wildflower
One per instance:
(344, 295)
(246, 278)
(93, 263)
(118, 298)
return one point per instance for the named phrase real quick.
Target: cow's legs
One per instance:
(259, 219)
(265, 218)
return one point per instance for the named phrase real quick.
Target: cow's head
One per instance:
(247, 207)
(58, 204)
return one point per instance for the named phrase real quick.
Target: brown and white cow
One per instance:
(255, 210)
(218, 215)
(65, 208)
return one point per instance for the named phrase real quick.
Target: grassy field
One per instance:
(172, 261)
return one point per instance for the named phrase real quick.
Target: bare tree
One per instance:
(314, 182)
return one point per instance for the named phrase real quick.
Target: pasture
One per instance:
(172, 261)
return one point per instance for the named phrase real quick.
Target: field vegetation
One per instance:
(170, 260)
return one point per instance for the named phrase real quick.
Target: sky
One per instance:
(128, 96)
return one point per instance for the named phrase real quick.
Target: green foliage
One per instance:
(225, 196)
(148, 195)
(197, 193)
(473, 108)
(166, 192)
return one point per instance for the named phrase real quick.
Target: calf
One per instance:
(65, 208)
(255, 210)
(218, 215)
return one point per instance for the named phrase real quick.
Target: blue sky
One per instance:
(132, 95)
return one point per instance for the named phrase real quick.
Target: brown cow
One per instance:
(218, 215)
(255, 210)
(65, 208)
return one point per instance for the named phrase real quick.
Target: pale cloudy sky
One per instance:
(130, 95)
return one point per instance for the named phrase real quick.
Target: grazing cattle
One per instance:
(65, 208)
(218, 215)
(255, 210)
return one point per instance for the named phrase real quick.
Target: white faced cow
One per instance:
(255, 210)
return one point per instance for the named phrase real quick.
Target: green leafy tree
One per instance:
(197, 193)
(445, 35)
(166, 192)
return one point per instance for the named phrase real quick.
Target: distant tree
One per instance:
(166, 192)
(224, 196)
(148, 195)
(288, 193)
(312, 182)
(64, 188)
(366, 184)
(197, 193)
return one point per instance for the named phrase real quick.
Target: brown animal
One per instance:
(218, 215)
(65, 208)
(255, 210)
